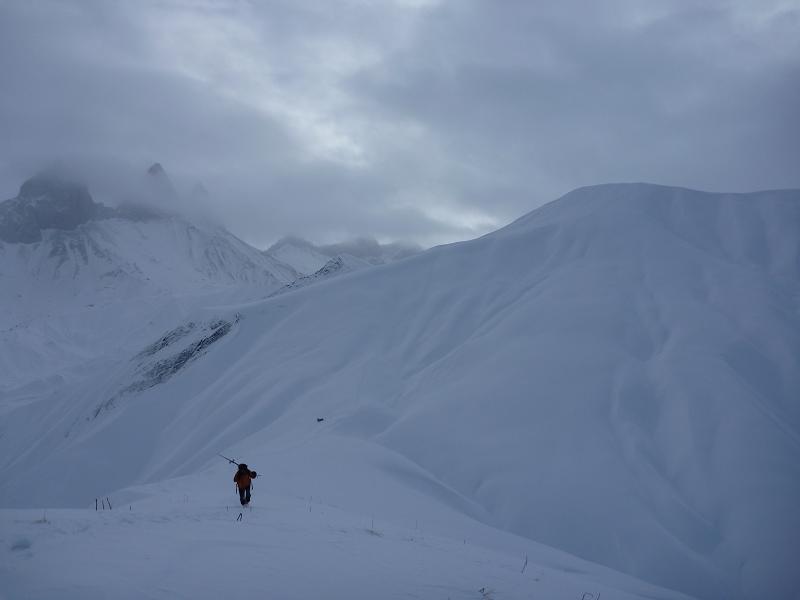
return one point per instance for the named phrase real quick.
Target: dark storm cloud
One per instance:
(402, 119)
(549, 102)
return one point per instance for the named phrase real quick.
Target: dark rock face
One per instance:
(47, 202)
(159, 184)
(156, 170)
(332, 267)
(155, 366)
(56, 187)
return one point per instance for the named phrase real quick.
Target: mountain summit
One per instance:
(156, 170)
(47, 201)
(63, 256)
(158, 185)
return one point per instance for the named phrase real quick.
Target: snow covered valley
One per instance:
(609, 385)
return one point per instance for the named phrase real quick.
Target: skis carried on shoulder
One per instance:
(251, 474)
(230, 460)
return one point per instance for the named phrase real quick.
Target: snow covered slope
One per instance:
(75, 274)
(614, 375)
(184, 542)
(76, 246)
(340, 265)
(302, 255)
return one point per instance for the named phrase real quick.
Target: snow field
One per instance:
(188, 544)
(614, 375)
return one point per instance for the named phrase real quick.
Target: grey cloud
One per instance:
(673, 101)
(428, 124)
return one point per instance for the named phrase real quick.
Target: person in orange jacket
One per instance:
(244, 479)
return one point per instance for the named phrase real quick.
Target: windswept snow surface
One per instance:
(184, 541)
(614, 375)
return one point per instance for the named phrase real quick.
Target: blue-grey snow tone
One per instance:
(239, 356)
(425, 121)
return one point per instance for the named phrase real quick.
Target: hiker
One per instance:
(243, 479)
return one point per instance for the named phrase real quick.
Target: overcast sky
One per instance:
(419, 120)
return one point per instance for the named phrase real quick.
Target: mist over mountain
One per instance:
(76, 273)
(51, 201)
(307, 257)
(53, 209)
(330, 241)
(70, 266)
(371, 251)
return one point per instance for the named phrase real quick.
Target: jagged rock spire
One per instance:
(46, 201)
(156, 170)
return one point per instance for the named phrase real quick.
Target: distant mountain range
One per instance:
(54, 230)
(69, 263)
(307, 258)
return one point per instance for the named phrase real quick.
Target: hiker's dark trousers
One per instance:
(244, 495)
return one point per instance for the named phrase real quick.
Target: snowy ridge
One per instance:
(613, 375)
(303, 256)
(169, 253)
(335, 266)
(308, 258)
(54, 230)
(75, 285)
(88, 276)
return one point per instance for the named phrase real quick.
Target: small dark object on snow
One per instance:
(320, 419)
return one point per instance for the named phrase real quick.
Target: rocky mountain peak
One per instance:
(56, 186)
(158, 185)
(156, 170)
(47, 201)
